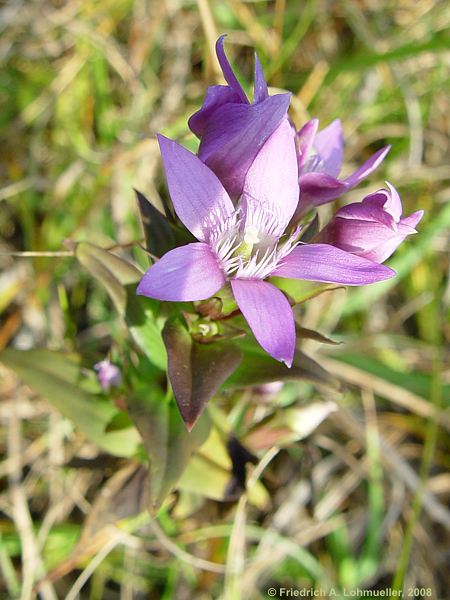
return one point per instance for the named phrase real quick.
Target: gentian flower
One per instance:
(232, 130)
(245, 245)
(320, 157)
(108, 374)
(373, 228)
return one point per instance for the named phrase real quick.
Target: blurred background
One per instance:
(359, 497)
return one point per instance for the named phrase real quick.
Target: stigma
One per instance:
(252, 235)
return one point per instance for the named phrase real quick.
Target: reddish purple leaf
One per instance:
(196, 371)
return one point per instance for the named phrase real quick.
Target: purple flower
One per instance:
(372, 228)
(245, 245)
(320, 157)
(231, 129)
(108, 374)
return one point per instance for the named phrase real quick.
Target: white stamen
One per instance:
(314, 164)
(247, 242)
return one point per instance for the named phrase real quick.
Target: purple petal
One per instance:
(216, 96)
(227, 71)
(393, 204)
(366, 238)
(234, 137)
(322, 262)
(306, 137)
(370, 165)
(108, 374)
(377, 247)
(260, 85)
(272, 179)
(329, 145)
(269, 315)
(196, 191)
(383, 251)
(412, 220)
(370, 209)
(319, 188)
(185, 274)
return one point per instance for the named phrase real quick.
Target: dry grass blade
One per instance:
(113, 542)
(392, 392)
(180, 554)
(210, 30)
(260, 35)
(436, 510)
(32, 565)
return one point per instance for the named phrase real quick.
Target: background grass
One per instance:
(359, 501)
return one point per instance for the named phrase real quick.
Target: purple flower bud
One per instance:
(108, 374)
(232, 129)
(373, 228)
(320, 158)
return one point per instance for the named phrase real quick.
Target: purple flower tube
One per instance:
(373, 228)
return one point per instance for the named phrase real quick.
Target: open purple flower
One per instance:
(232, 130)
(373, 228)
(244, 245)
(320, 157)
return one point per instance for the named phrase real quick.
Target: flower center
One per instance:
(248, 244)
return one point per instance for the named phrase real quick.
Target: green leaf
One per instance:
(160, 232)
(140, 318)
(56, 377)
(301, 291)
(303, 333)
(257, 367)
(196, 371)
(209, 471)
(113, 272)
(416, 382)
(168, 445)
(159, 237)
(438, 42)
(120, 278)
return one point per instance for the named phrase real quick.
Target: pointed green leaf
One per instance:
(140, 318)
(300, 291)
(257, 367)
(168, 445)
(159, 237)
(196, 371)
(56, 377)
(120, 278)
(113, 272)
(304, 333)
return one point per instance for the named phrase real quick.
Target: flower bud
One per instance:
(373, 228)
(108, 375)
